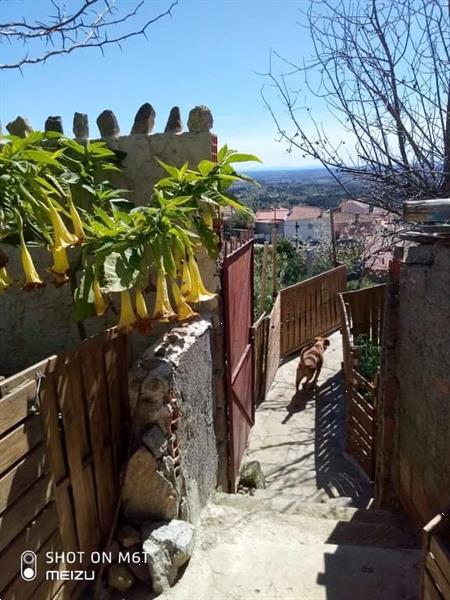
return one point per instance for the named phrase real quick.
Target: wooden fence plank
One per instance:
(441, 556)
(114, 393)
(31, 538)
(15, 406)
(22, 439)
(101, 437)
(11, 383)
(362, 417)
(437, 576)
(14, 483)
(81, 479)
(17, 516)
(430, 591)
(310, 308)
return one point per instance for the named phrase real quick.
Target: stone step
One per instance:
(332, 524)
(277, 556)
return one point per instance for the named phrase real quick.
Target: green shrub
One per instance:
(369, 356)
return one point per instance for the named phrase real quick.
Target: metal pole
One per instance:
(333, 238)
(274, 262)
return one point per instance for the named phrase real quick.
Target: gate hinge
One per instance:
(35, 406)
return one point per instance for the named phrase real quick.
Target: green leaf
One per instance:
(121, 270)
(84, 296)
(173, 171)
(222, 153)
(205, 167)
(237, 157)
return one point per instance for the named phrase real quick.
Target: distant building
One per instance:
(306, 223)
(354, 207)
(265, 220)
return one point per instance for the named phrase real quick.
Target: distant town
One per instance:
(299, 203)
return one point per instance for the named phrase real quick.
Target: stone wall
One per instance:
(420, 465)
(173, 468)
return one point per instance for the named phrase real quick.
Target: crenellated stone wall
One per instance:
(140, 149)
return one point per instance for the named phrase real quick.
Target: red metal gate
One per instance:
(238, 312)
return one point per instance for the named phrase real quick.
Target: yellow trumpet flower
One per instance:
(163, 310)
(99, 300)
(127, 317)
(144, 324)
(76, 222)
(186, 280)
(198, 291)
(5, 279)
(62, 235)
(207, 218)
(60, 265)
(32, 279)
(184, 311)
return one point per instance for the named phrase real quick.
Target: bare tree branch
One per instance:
(383, 70)
(94, 24)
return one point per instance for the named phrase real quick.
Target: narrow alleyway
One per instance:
(309, 534)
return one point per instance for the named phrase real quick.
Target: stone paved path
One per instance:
(300, 441)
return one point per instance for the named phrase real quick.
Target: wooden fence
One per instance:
(273, 344)
(62, 445)
(361, 313)
(436, 558)
(260, 334)
(310, 308)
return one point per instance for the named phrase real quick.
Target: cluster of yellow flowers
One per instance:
(187, 288)
(62, 239)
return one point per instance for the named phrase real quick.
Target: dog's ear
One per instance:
(326, 343)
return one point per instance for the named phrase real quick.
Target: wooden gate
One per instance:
(361, 313)
(310, 308)
(238, 312)
(62, 445)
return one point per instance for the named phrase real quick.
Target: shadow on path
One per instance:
(334, 471)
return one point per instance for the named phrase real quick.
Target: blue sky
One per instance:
(210, 52)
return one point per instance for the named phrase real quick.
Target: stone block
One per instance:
(147, 494)
(168, 546)
(155, 440)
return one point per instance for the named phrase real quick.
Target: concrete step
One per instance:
(324, 522)
(265, 555)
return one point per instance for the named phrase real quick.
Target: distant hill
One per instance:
(288, 187)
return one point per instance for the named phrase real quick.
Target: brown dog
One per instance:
(311, 361)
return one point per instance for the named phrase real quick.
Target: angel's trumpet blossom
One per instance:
(186, 280)
(143, 324)
(76, 222)
(207, 218)
(99, 300)
(32, 279)
(5, 279)
(163, 310)
(61, 265)
(184, 311)
(198, 291)
(127, 317)
(62, 235)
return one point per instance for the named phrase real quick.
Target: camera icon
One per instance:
(28, 565)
